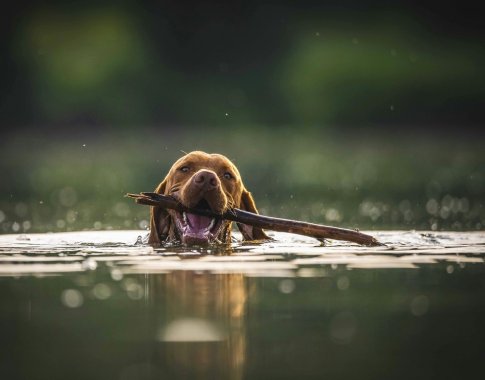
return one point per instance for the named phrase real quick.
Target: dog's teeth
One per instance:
(211, 225)
(185, 217)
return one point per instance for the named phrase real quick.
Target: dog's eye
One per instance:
(184, 169)
(228, 175)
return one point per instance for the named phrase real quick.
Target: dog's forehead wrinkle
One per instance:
(202, 159)
(197, 154)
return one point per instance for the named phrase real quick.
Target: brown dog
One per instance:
(201, 180)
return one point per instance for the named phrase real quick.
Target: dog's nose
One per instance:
(206, 180)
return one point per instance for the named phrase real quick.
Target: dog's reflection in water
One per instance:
(205, 333)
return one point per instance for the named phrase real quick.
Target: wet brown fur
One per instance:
(226, 194)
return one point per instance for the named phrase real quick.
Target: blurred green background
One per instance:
(366, 115)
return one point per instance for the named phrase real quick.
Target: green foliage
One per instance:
(378, 77)
(101, 65)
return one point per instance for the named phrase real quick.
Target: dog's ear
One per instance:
(159, 219)
(250, 232)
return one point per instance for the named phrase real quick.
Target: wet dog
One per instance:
(206, 181)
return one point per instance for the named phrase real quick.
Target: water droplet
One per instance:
(134, 291)
(116, 275)
(286, 286)
(343, 283)
(444, 212)
(72, 298)
(89, 264)
(419, 305)
(15, 227)
(333, 215)
(26, 225)
(102, 291)
(432, 206)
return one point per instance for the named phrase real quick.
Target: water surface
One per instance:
(100, 305)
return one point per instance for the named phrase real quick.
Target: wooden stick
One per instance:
(317, 231)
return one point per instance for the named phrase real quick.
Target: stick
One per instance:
(317, 231)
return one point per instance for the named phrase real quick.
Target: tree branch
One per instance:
(317, 231)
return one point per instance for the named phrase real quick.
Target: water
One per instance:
(97, 305)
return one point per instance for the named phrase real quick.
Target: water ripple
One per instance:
(287, 256)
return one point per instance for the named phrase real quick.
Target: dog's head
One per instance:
(201, 180)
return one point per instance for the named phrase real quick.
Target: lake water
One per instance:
(99, 305)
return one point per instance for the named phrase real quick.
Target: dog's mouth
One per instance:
(197, 229)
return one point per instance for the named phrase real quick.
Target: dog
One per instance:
(206, 181)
